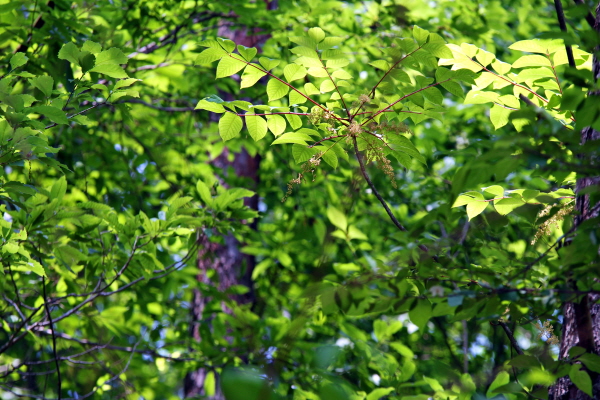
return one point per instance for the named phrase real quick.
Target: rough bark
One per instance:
(231, 266)
(581, 319)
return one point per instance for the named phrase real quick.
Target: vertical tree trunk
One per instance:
(231, 266)
(581, 320)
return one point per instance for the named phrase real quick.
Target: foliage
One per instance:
(114, 189)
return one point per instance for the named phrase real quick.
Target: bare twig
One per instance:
(56, 361)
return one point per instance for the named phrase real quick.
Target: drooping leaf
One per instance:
(230, 126)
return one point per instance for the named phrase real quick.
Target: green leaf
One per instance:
(378, 393)
(52, 113)
(330, 42)
(18, 60)
(501, 379)
(227, 44)
(297, 98)
(501, 67)
(420, 35)
(91, 47)
(537, 46)
(267, 63)
(505, 206)
(111, 56)
(306, 52)
(381, 64)
(481, 97)
(292, 137)
(499, 116)
(581, 379)
(247, 52)
(230, 126)
(209, 384)
(337, 218)
(311, 89)
(59, 188)
(204, 192)
(485, 57)
(276, 89)
(532, 61)
(112, 70)
(326, 86)
(276, 124)
(211, 103)
(210, 55)
(421, 313)
(69, 52)
(229, 66)
(496, 190)
(44, 83)
(591, 361)
(293, 72)
(440, 50)
(257, 126)
(316, 34)
(251, 75)
(301, 153)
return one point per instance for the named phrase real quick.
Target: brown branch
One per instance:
(563, 27)
(510, 336)
(56, 361)
(381, 200)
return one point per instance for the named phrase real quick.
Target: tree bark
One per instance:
(232, 267)
(581, 319)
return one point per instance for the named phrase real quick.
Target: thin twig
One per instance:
(563, 27)
(381, 200)
(56, 361)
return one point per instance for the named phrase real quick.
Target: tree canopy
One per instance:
(299, 199)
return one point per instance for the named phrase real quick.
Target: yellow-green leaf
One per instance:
(257, 126)
(230, 126)
(229, 66)
(276, 124)
(276, 89)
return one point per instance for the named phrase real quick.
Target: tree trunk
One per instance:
(581, 320)
(232, 267)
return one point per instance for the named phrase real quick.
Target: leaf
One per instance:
(294, 121)
(381, 64)
(501, 67)
(229, 66)
(44, 83)
(52, 113)
(439, 50)
(532, 61)
(337, 218)
(209, 384)
(111, 56)
(293, 72)
(204, 192)
(91, 47)
(112, 70)
(296, 98)
(18, 60)
(330, 42)
(125, 83)
(230, 126)
(317, 72)
(341, 74)
(292, 137)
(251, 75)
(378, 393)
(501, 379)
(581, 379)
(310, 89)
(420, 35)
(276, 89)
(210, 55)
(69, 52)
(591, 361)
(276, 124)
(496, 190)
(256, 125)
(499, 116)
(247, 52)
(524, 361)
(227, 44)
(326, 86)
(485, 57)
(59, 188)
(505, 206)
(481, 97)
(316, 34)
(301, 153)
(267, 63)
(537, 46)
(421, 313)
(211, 103)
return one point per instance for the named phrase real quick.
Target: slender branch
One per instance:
(563, 27)
(381, 200)
(337, 89)
(56, 361)
(275, 113)
(372, 92)
(588, 17)
(402, 98)
(325, 139)
(510, 336)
